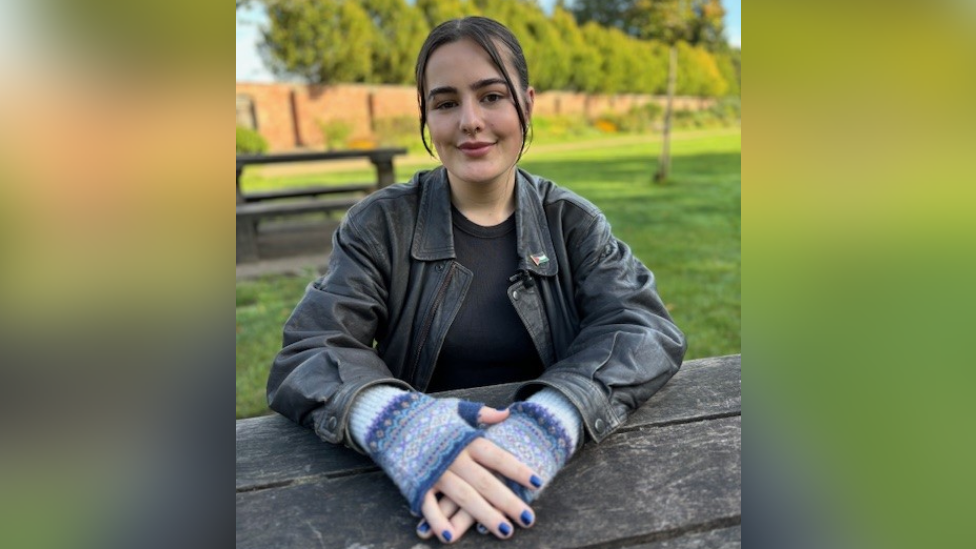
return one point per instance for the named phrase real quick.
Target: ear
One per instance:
(529, 102)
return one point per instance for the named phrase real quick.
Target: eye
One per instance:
(493, 97)
(444, 105)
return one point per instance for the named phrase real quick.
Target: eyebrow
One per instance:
(484, 82)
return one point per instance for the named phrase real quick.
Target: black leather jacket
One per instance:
(589, 305)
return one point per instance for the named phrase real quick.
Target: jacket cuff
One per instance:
(333, 423)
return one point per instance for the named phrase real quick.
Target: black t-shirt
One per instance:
(487, 343)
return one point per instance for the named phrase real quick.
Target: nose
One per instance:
(472, 120)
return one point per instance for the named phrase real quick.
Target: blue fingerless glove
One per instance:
(415, 438)
(538, 439)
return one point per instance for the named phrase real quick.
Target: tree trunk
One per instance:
(664, 161)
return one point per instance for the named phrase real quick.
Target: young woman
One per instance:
(471, 274)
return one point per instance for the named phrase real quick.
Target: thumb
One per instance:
(491, 416)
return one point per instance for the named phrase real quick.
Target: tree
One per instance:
(696, 22)
(438, 11)
(321, 41)
(584, 60)
(400, 32)
(608, 13)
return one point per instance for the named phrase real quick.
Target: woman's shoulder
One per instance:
(553, 195)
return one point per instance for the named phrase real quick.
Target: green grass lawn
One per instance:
(687, 232)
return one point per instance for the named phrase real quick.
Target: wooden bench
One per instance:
(254, 206)
(265, 209)
(670, 477)
(312, 190)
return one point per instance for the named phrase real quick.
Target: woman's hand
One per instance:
(472, 492)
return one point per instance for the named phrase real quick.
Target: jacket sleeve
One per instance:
(627, 346)
(327, 354)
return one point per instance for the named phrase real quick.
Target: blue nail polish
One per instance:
(526, 517)
(424, 527)
(481, 529)
(446, 535)
(504, 528)
(536, 481)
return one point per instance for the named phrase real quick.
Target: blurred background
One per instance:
(113, 357)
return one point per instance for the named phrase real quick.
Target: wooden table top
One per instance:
(670, 477)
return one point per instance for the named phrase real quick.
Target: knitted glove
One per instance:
(414, 438)
(542, 437)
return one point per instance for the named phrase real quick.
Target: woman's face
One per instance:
(471, 114)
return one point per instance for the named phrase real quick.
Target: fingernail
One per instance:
(424, 527)
(481, 529)
(504, 528)
(526, 517)
(446, 535)
(536, 481)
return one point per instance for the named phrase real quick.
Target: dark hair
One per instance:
(483, 31)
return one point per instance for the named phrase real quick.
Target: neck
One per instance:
(485, 204)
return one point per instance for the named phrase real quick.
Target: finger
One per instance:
(473, 502)
(460, 519)
(423, 530)
(448, 507)
(470, 412)
(494, 458)
(497, 495)
(438, 523)
(491, 416)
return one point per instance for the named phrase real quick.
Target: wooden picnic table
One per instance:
(670, 477)
(254, 206)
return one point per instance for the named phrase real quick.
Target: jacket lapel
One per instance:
(433, 236)
(536, 252)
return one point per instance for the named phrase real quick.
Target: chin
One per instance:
(479, 176)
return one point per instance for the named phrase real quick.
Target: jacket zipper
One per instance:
(430, 320)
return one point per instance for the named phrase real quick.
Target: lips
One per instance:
(475, 148)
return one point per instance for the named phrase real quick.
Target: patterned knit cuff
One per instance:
(562, 410)
(367, 406)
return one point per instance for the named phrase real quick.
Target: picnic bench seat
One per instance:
(271, 209)
(257, 205)
(311, 190)
(671, 476)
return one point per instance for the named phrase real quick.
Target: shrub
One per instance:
(250, 142)
(555, 127)
(335, 133)
(607, 123)
(638, 119)
(728, 108)
(724, 112)
(398, 131)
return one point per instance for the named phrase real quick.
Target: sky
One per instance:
(251, 69)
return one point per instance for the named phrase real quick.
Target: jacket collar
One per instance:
(433, 237)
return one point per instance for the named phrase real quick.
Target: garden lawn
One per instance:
(687, 232)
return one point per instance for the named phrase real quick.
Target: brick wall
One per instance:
(289, 116)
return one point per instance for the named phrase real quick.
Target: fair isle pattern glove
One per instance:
(542, 433)
(414, 438)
